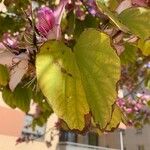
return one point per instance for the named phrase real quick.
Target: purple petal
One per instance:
(60, 10)
(46, 20)
(58, 13)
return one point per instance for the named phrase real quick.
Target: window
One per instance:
(68, 136)
(32, 134)
(140, 147)
(93, 139)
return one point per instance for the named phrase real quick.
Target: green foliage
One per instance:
(16, 6)
(10, 23)
(80, 80)
(112, 4)
(4, 75)
(89, 22)
(70, 22)
(100, 70)
(137, 20)
(129, 54)
(56, 65)
(113, 17)
(116, 117)
(144, 46)
(147, 80)
(20, 97)
(46, 110)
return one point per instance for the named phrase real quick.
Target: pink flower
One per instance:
(128, 110)
(49, 21)
(121, 102)
(137, 107)
(10, 41)
(46, 20)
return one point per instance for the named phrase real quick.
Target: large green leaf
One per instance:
(60, 81)
(137, 20)
(100, 70)
(20, 97)
(4, 75)
(79, 79)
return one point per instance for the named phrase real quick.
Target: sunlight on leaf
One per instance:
(100, 70)
(75, 80)
(137, 20)
(60, 81)
(144, 46)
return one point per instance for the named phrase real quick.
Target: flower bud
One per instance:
(46, 21)
(49, 21)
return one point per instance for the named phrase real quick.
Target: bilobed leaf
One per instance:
(137, 20)
(60, 81)
(129, 54)
(144, 46)
(4, 75)
(20, 97)
(100, 70)
(75, 80)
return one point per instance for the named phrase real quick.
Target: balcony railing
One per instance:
(77, 146)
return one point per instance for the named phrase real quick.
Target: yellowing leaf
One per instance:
(100, 70)
(80, 81)
(115, 120)
(144, 46)
(60, 81)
